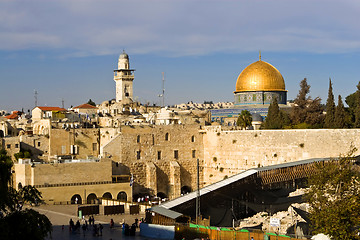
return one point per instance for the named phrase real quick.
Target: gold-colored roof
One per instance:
(260, 76)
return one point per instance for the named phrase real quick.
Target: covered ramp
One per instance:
(244, 194)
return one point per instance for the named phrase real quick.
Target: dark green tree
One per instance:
(334, 198)
(244, 120)
(91, 103)
(357, 107)
(14, 222)
(299, 110)
(275, 119)
(340, 114)
(330, 108)
(307, 112)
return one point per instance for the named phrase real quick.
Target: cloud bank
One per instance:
(179, 28)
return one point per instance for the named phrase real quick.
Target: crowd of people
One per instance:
(87, 225)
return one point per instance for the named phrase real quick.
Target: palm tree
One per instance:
(244, 120)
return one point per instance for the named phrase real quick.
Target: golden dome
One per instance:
(260, 76)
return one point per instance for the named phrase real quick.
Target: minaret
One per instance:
(124, 77)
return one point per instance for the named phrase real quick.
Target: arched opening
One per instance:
(76, 199)
(185, 190)
(122, 196)
(166, 136)
(107, 195)
(161, 195)
(193, 138)
(91, 198)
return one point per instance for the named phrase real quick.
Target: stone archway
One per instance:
(161, 195)
(107, 195)
(185, 190)
(122, 196)
(91, 198)
(76, 199)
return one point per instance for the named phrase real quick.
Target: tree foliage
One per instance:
(91, 103)
(357, 107)
(16, 223)
(307, 111)
(341, 117)
(334, 198)
(244, 120)
(330, 109)
(275, 119)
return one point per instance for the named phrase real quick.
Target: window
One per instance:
(138, 154)
(166, 136)
(138, 139)
(159, 155)
(193, 138)
(194, 153)
(8, 146)
(94, 145)
(38, 144)
(176, 154)
(63, 150)
(16, 145)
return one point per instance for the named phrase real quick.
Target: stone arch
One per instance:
(185, 189)
(76, 199)
(107, 195)
(122, 196)
(91, 198)
(161, 195)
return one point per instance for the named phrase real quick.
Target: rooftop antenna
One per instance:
(162, 95)
(36, 98)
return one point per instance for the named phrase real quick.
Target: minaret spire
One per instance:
(259, 55)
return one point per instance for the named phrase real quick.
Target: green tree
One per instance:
(244, 120)
(330, 108)
(340, 114)
(334, 198)
(357, 107)
(14, 222)
(298, 114)
(275, 119)
(91, 103)
(306, 112)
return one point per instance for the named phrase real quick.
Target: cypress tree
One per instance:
(340, 114)
(330, 108)
(357, 108)
(273, 120)
(298, 114)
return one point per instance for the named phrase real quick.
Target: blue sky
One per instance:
(68, 49)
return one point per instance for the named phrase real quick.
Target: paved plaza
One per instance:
(60, 216)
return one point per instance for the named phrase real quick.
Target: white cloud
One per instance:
(179, 27)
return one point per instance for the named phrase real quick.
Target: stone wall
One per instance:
(86, 139)
(229, 152)
(163, 146)
(38, 145)
(72, 172)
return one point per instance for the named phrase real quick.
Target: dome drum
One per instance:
(260, 97)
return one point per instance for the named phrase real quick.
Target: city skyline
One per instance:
(68, 50)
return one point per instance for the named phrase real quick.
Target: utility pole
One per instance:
(198, 193)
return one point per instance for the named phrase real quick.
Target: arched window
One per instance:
(192, 138)
(166, 136)
(138, 139)
(122, 196)
(76, 199)
(107, 195)
(91, 199)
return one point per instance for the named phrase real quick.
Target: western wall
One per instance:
(227, 152)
